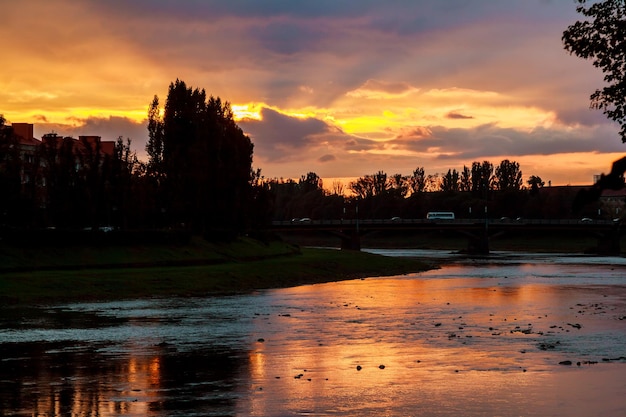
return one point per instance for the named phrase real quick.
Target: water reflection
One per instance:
(54, 379)
(468, 339)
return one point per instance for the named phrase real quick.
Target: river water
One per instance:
(508, 335)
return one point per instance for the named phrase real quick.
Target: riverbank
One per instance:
(572, 243)
(48, 275)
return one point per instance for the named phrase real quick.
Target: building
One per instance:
(33, 161)
(29, 145)
(613, 202)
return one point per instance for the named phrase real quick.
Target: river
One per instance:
(512, 334)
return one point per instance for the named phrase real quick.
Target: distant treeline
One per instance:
(378, 196)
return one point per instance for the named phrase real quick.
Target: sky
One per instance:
(342, 88)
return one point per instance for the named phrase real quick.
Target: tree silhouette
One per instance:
(482, 177)
(602, 40)
(310, 182)
(450, 181)
(417, 181)
(535, 183)
(154, 147)
(121, 178)
(508, 176)
(65, 199)
(362, 187)
(9, 172)
(202, 161)
(465, 182)
(398, 185)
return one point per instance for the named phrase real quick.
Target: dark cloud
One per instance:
(287, 37)
(491, 140)
(326, 158)
(356, 144)
(216, 9)
(386, 87)
(278, 136)
(456, 115)
(582, 115)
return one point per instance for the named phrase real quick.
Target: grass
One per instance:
(72, 273)
(200, 268)
(28, 258)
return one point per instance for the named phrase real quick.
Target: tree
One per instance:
(311, 182)
(154, 147)
(337, 188)
(362, 187)
(380, 183)
(465, 182)
(9, 172)
(92, 167)
(370, 185)
(398, 185)
(417, 181)
(204, 160)
(262, 200)
(535, 183)
(433, 182)
(602, 40)
(482, 176)
(450, 181)
(367, 186)
(64, 186)
(121, 179)
(508, 176)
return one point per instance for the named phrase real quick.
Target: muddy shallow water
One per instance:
(511, 335)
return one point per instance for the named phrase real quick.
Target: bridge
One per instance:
(477, 231)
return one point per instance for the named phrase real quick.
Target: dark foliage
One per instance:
(601, 39)
(200, 163)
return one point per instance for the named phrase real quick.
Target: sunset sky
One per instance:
(342, 88)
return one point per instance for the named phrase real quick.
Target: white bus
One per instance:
(440, 215)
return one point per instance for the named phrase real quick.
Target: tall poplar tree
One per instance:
(203, 161)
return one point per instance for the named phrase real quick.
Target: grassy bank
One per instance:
(50, 275)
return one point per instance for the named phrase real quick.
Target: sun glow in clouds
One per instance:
(250, 111)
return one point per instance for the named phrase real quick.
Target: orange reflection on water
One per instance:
(128, 389)
(469, 346)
